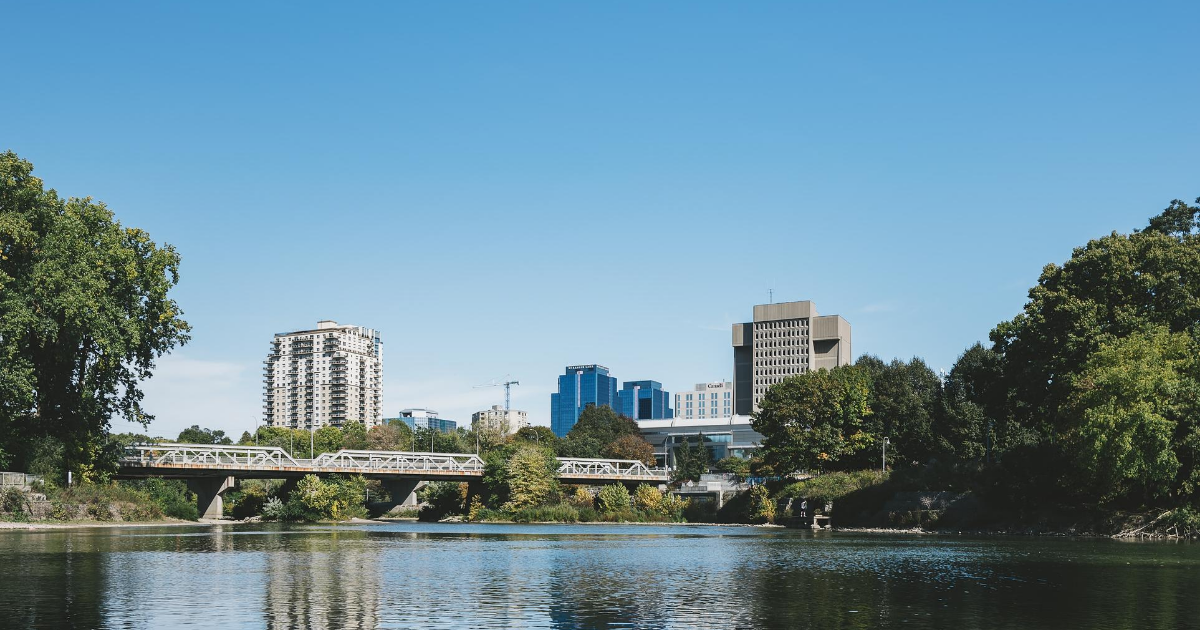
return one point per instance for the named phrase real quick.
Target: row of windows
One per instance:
(701, 396)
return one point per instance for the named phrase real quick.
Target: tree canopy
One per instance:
(85, 311)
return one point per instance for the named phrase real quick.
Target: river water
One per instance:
(412, 575)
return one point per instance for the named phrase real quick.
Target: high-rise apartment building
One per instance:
(707, 400)
(783, 340)
(327, 376)
(499, 420)
(644, 400)
(580, 386)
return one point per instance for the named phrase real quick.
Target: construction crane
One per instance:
(507, 384)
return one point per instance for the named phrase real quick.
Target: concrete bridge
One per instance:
(212, 469)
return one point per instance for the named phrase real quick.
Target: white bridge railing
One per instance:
(399, 460)
(223, 456)
(628, 468)
(206, 454)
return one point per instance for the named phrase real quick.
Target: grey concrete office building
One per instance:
(784, 339)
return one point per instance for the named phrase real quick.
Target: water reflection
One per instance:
(450, 576)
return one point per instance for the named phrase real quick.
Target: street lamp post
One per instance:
(884, 466)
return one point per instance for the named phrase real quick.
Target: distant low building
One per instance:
(644, 400)
(500, 420)
(724, 437)
(426, 419)
(706, 400)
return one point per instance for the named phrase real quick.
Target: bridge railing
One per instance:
(400, 460)
(628, 468)
(207, 455)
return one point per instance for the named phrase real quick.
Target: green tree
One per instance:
(539, 435)
(195, 435)
(84, 314)
(905, 401)
(733, 465)
(596, 429)
(692, 459)
(354, 436)
(813, 420)
(531, 477)
(1110, 288)
(1134, 407)
(648, 498)
(327, 439)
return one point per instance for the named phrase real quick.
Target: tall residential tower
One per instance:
(330, 375)
(783, 340)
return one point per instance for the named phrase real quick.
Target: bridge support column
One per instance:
(402, 491)
(208, 494)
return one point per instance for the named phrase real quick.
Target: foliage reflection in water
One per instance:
(452, 576)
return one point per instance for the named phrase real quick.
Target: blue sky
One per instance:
(509, 188)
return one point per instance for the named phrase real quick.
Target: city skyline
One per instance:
(500, 190)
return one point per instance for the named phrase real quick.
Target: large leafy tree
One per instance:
(596, 429)
(84, 313)
(1134, 421)
(904, 400)
(815, 420)
(1109, 289)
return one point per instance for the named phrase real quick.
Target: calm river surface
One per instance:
(577, 576)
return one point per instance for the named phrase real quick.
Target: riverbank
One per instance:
(53, 525)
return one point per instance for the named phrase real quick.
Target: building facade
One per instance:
(644, 400)
(426, 419)
(707, 400)
(330, 375)
(499, 420)
(731, 436)
(784, 339)
(578, 387)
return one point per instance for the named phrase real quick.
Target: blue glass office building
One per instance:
(644, 400)
(580, 386)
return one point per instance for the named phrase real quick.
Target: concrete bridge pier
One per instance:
(402, 491)
(208, 494)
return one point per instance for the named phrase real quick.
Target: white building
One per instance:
(500, 420)
(707, 400)
(327, 376)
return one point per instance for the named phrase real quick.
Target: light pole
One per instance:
(884, 466)
(312, 439)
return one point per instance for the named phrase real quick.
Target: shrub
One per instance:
(275, 510)
(13, 500)
(831, 486)
(441, 499)
(582, 498)
(648, 498)
(613, 498)
(761, 507)
(733, 465)
(561, 513)
(674, 507)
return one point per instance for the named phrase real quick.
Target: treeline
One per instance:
(1089, 397)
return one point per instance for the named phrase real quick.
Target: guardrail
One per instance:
(272, 457)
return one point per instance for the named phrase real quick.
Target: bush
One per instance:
(14, 501)
(734, 465)
(648, 498)
(761, 507)
(275, 510)
(560, 513)
(532, 478)
(441, 499)
(582, 498)
(831, 486)
(613, 498)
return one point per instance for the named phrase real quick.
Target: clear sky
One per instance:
(510, 188)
